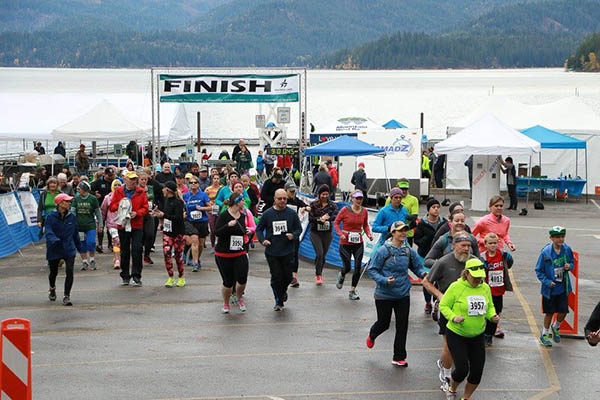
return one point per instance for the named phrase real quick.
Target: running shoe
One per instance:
(499, 334)
(148, 260)
(294, 283)
(117, 265)
(181, 281)
(450, 395)
(170, 282)
(340, 280)
(278, 307)
(319, 280)
(84, 265)
(441, 375)
(352, 295)
(252, 245)
(488, 339)
(370, 342)
(124, 282)
(284, 298)
(428, 308)
(137, 282)
(234, 298)
(444, 387)
(196, 266)
(225, 309)
(555, 333)
(242, 305)
(400, 363)
(67, 301)
(545, 340)
(436, 310)
(52, 294)
(152, 250)
(93, 265)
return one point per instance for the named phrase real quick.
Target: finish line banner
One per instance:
(229, 88)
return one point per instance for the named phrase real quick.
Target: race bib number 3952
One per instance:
(476, 305)
(236, 243)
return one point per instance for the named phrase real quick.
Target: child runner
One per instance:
(552, 267)
(171, 211)
(111, 217)
(87, 210)
(497, 263)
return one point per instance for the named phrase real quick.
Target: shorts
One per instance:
(442, 322)
(556, 304)
(199, 229)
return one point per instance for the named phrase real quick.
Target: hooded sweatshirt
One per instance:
(386, 217)
(473, 303)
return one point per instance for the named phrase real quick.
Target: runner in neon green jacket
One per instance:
(467, 303)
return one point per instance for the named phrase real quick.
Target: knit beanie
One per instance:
(322, 189)
(431, 203)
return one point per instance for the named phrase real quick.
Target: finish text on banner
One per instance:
(10, 208)
(248, 88)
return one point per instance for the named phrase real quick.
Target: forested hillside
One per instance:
(586, 56)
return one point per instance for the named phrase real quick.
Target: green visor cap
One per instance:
(403, 185)
(557, 230)
(475, 268)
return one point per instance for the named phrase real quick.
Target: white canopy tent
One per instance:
(103, 122)
(486, 139)
(181, 128)
(571, 116)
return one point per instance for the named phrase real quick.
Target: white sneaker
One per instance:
(441, 375)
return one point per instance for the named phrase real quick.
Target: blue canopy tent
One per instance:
(550, 139)
(393, 124)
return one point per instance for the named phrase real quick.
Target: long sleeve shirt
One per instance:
(274, 225)
(351, 222)
(491, 223)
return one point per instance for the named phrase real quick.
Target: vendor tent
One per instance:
(393, 124)
(486, 139)
(550, 139)
(343, 146)
(103, 122)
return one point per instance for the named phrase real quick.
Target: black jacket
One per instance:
(424, 235)
(322, 178)
(359, 180)
(267, 193)
(173, 209)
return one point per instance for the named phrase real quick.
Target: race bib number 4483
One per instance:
(476, 305)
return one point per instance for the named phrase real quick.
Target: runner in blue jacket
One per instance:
(390, 214)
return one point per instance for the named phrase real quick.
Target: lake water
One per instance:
(443, 95)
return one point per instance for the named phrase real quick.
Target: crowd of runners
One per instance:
(464, 270)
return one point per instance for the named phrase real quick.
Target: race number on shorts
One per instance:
(279, 227)
(236, 243)
(476, 305)
(353, 237)
(496, 278)
(167, 225)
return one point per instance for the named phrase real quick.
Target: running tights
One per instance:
(69, 262)
(173, 243)
(321, 242)
(401, 308)
(468, 355)
(346, 253)
(148, 234)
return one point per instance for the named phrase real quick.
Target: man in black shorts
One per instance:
(444, 272)
(197, 203)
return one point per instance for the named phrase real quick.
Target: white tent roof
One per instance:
(181, 127)
(568, 115)
(488, 136)
(103, 122)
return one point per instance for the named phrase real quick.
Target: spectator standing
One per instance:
(60, 149)
(39, 148)
(333, 172)
(260, 164)
(243, 158)
(509, 169)
(267, 193)
(359, 179)
(82, 161)
(322, 178)
(166, 174)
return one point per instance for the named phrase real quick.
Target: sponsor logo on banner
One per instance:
(316, 138)
(400, 146)
(351, 124)
(10, 208)
(229, 88)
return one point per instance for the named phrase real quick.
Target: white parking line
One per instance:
(596, 204)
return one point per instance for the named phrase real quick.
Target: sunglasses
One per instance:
(476, 268)
(280, 198)
(194, 182)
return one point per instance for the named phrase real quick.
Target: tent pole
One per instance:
(107, 153)
(528, 183)
(586, 176)
(387, 181)
(576, 161)
(445, 176)
(540, 177)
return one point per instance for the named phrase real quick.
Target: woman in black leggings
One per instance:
(321, 212)
(467, 304)
(231, 253)
(354, 220)
(62, 241)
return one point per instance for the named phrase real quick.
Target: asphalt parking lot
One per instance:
(173, 343)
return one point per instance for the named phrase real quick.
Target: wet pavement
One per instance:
(173, 343)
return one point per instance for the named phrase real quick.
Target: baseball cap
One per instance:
(398, 226)
(475, 268)
(290, 186)
(403, 185)
(172, 186)
(204, 169)
(62, 197)
(109, 170)
(189, 175)
(83, 185)
(557, 230)
(131, 175)
(178, 176)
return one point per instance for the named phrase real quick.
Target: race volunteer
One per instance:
(467, 304)
(355, 221)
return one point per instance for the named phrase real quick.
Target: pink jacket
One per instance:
(107, 215)
(490, 223)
